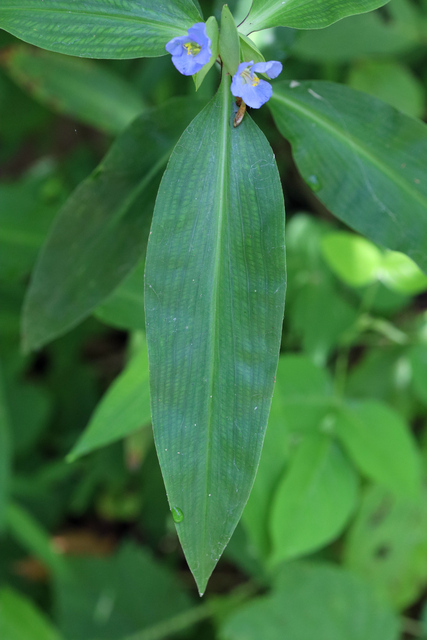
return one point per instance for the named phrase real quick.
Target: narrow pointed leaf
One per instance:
(99, 28)
(123, 410)
(365, 161)
(101, 232)
(214, 299)
(315, 14)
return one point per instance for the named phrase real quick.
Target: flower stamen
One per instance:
(192, 48)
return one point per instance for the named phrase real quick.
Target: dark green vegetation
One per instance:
(332, 543)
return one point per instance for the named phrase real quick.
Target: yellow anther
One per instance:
(255, 81)
(192, 48)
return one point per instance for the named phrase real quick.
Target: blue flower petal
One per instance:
(271, 69)
(184, 59)
(246, 84)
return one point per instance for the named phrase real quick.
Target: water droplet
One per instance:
(177, 514)
(314, 183)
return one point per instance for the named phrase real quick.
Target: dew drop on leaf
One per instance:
(177, 514)
(314, 183)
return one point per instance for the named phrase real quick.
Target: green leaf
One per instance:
(300, 401)
(293, 13)
(124, 409)
(369, 173)
(99, 28)
(124, 308)
(354, 259)
(101, 232)
(5, 452)
(229, 44)
(29, 533)
(82, 89)
(213, 33)
(109, 598)
(387, 545)
(314, 501)
(380, 443)
(314, 601)
(401, 274)
(418, 362)
(391, 82)
(358, 37)
(249, 51)
(214, 298)
(19, 619)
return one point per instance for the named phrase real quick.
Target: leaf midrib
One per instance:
(215, 288)
(354, 143)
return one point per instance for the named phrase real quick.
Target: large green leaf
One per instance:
(101, 232)
(82, 89)
(315, 499)
(369, 171)
(314, 601)
(311, 14)
(99, 28)
(214, 299)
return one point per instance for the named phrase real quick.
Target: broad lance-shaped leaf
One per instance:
(99, 28)
(365, 161)
(214, 299)
(101, 232)
(314, 14)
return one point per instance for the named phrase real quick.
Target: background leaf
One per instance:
(387, 545)
(314, 500)
(5, 452)
(124, 409)
(384, 193)
(19, 619)
(214, 298)
(373, 433)
(99, 28)
(101, 232)
(82, 89)
(315, 15)
(323, 598)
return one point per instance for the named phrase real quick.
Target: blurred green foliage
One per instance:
(88, 549)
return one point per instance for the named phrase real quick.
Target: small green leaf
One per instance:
(229, 46)
(293, 13)
(20, 619)
(387, 546)
(401, 274)
(249, 51)
(124, 409)
(314, 601)
(99, 28)
(314, 501)
(369, 173)
(101, 232)
(381, 445)
(82, 89)
(29, 533)
(214, 298)
(354, 259)
(213, 34)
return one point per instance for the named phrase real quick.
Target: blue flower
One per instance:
(246, 84)
(191, 52)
